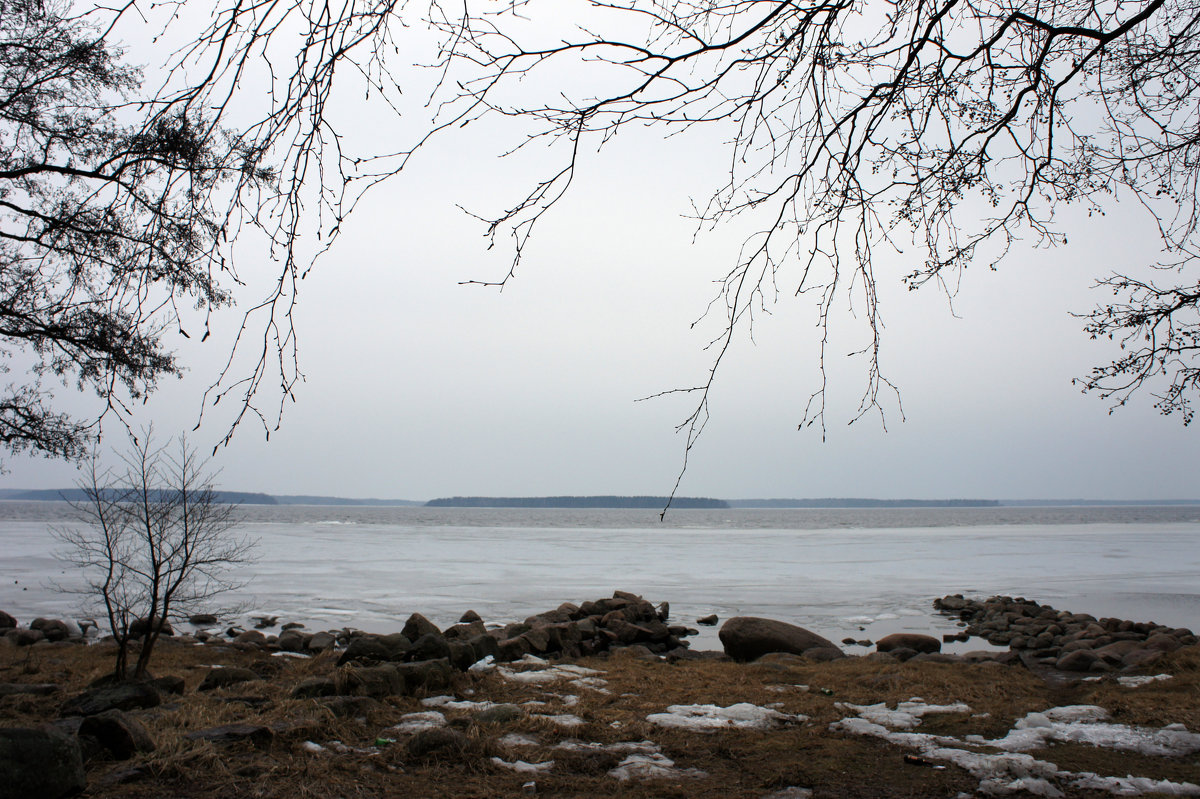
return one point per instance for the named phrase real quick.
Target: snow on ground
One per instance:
(906, 715)
(450, 703)
(521, 767)
(652, 766)
(1138, 682)
(415, 722)
(709, 718)
(1012, 770)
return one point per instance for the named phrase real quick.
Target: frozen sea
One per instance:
(856, 573)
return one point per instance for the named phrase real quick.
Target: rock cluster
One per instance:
(1066, 641)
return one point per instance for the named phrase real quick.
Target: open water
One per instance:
(856, 573)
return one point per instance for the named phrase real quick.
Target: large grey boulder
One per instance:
(914, 641)
(113, 696)
(7, 622)
(748, 638)
(121, 735)
(39, 764)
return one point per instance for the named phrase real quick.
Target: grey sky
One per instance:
(419, 387)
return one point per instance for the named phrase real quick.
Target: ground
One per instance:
(316, 753)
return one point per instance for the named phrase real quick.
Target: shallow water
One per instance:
(857, 573)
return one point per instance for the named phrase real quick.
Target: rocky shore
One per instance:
(82, 730)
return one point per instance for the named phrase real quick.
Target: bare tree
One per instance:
(154, 542)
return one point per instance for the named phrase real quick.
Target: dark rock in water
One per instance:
(437, 741)
(469, 617)
(257, 734)
(223, 678)
(203, 619)
(116, 696)
(293, 641)
(465, 630)
(250, 637)
(52, 629)
(914, 641)
(120, 735)
(7, 622)
(292, 625)
(264, 622)
(39, 764)
(708, 621)
(417, 625)
(747, 638)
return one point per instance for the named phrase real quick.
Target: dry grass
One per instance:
(739, 763)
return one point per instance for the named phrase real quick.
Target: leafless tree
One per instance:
(153, 541)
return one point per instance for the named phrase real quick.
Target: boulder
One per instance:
(417, 625)
(914, 641)
(428, 674)
(203, 619)
(469, 617)
(120, 735)
(437, 741)
(52, 629)
(314, 686)
(140, 627)
(250, 637)
(257, 734)
(747, 638)
(374, 681)
(321, 641)
(429, 646)
(365, 648)
(708, 621)
(349, 707)
(39, 764)
(292, 641)
(24, 637)
(7, 622)
(223, 678)
(114, 696)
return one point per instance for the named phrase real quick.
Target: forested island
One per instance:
(657, 503)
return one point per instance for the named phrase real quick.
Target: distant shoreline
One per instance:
(620, 501)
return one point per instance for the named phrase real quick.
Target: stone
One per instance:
(374, 681)
(465, 630)
(139, 627)
(365, 648)
(253, 637)
(914, 641)
(292, 641)
(429, 646)
(747, 638)
(428, 674)
(824, 654)
(25, 637)
(203, 619)
(114, 696)
(168, 684)
(499, 714)
(256, 734)
(1078, 660)
(7, 622)
(40, 763)
(321, 641)
(469, 617)
(52, 629)
(350, 707)
(223, 678)
(437, 741)
(314, 686)
(119, 734)
(417, 625)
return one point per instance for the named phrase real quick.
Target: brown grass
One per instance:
(739, 763)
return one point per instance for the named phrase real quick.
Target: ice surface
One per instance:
(709, 718)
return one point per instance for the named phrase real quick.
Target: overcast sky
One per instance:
(419, 387)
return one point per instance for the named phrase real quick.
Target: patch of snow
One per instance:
(594, 683)
(1138, 682)
(486, 664)
(415, 722)
(515, 739)
(1012, 771)
(621, 747)
(312, 746)
(563, 720)
(907, 715)
(450, 703)
(709, 718)
(650, 767)
(521, 767)
(300, 655)
(563, 671)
